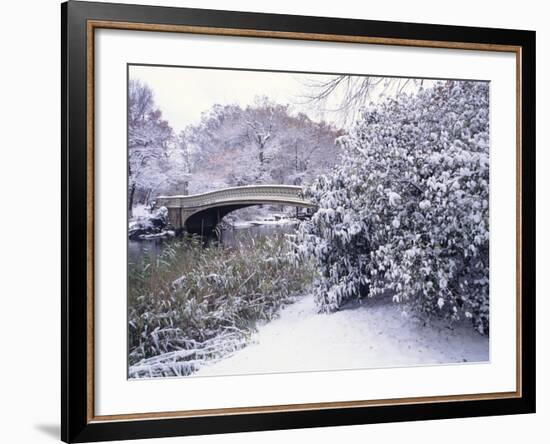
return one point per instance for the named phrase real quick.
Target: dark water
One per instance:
(231, 236)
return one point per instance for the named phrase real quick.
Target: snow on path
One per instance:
(365, 336)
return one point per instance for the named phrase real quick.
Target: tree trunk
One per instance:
(131, 199)
(147, 197)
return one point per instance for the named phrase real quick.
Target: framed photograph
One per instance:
(275, 221)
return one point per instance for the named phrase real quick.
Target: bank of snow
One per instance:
(147, 223)
(377, 334)
(275, 219)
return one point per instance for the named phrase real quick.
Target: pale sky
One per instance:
(182, 94)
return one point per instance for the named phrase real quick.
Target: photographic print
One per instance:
(293, 221)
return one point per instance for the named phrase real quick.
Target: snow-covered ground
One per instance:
(376, 334)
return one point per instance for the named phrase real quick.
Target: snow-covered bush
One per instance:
(146, 222)
(407, 212)
(195, 304)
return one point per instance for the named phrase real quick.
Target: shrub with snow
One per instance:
(407, 212)
(193, 305)
(146, 222)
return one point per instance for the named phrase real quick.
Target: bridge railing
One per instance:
(253, 192)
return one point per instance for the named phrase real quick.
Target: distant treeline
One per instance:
(231, 146)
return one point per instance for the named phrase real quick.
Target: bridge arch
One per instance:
(200, 213)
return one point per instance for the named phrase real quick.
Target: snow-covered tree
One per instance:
(149, 137)
(262, 143)
(219, 143)
(345, 95)
(407, 212)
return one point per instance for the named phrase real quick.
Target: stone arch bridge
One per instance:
(200, 213)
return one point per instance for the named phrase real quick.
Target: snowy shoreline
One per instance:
(146, 224)
(262, 222)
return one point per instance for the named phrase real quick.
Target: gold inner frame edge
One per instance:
(121, 25)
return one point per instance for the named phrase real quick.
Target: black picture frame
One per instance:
(77, 423)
